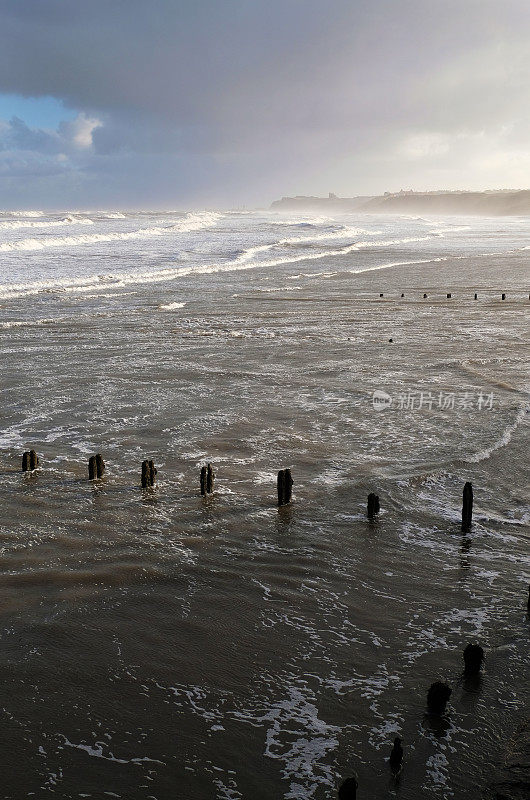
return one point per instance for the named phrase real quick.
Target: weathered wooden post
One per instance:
(503, 297)
(437, 697)
(96, 467)
(402, 295)
(448, 295)
(473, 657)
(381, 294)
(348, 789)
(285, 487)
(148, 474)
(207, 479)
(476, 296)
(30, 461)
(373, 506)
(467, 507)
(424, 296)
(396, 757)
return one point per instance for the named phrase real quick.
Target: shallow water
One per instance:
(159, 645)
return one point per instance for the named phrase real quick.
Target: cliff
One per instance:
(490, 203)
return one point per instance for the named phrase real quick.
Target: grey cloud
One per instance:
(247, 95)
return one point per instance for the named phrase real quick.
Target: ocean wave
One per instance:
(244, 261)
(503, 440)
(52, 223)
(171, 306)
(191, 222)
(22, 213)
(26, 323)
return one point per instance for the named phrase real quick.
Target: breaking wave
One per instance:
(52, 223)
(191, 222)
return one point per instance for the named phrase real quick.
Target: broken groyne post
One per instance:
(424, 296)
(373, 506)
(476, 296)
(437, 697)
(396, 756)
(467, 506)
(473, 657)
(285, 487)
(448, 295)
(207, 479)
(503, 296)
(148, 474)
(96, 467)
(402, 295)
(30, 461)
(348, 790)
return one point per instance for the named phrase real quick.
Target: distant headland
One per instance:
(497, 202)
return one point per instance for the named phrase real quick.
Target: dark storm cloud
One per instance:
(230, 99)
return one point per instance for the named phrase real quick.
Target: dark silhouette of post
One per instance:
(373, 506)
(437, 697)
(96, 467)
(381, 294)
(476, 296)
(473, 657)
(424, 296)
(396, 756)
(402, 295)
(30, 461)
(503, 297)
(348, 790)
(449, 295)
(207, 479)
(148, 474)
(467, 507)
(285, 487)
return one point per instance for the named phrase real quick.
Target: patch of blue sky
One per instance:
(37, 112)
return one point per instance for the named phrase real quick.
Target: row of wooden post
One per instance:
(96, 469)
(449, 295)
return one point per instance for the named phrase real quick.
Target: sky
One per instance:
(231, 103)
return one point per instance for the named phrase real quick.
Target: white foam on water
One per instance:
(28, 323)
(191, 222)
(504, 439)
(52, 223)
(23, 213)
(96, 751)
(171, 306)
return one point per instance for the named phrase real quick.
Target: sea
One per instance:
(161, 645)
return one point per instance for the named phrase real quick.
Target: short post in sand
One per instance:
(96, 467)
(467, 507)
(285, 487)
(373, 506)
(30, 461)
(148, 474)
(207, 479)
(424, 296)
(448, 295)
(437, 697)
(503, 297)
(473, 657)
